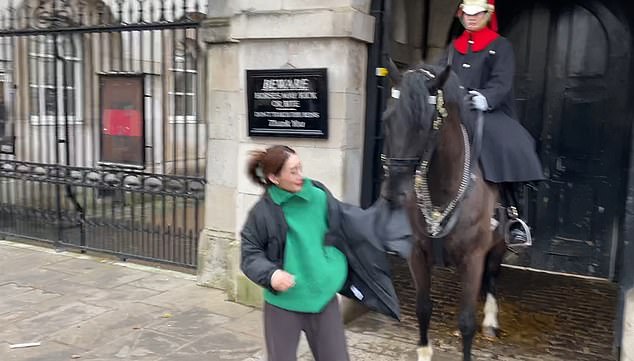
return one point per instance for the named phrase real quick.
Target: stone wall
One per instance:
(248, 34)
(627, 341)
(407, 28)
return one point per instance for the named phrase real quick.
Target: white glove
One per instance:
(478, 101)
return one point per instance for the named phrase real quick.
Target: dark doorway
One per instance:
(572, 94)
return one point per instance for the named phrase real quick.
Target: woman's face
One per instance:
(290, 178)
(474, 22)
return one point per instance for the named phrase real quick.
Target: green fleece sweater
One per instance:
(320, 271)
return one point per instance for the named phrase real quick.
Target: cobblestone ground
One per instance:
(542, 316)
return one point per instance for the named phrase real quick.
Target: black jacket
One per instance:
(350, 229)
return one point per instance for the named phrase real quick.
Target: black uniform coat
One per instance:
(508, 150)
(350, 229)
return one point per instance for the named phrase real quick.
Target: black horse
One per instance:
(430, 161)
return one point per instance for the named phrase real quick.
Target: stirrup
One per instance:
(525, 228)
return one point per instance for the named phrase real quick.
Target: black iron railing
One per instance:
(71, 172)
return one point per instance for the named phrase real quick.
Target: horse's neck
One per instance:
(447, 162)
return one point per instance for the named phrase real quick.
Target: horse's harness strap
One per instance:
(438, 101)
(441, 221)
(476, 146)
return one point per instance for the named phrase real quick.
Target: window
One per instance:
(183, 94)
(53, 83)
(6, 61)
(6, 119)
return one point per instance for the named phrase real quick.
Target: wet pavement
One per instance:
(82, 307)
(542, 316)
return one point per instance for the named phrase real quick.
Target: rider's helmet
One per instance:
(472, 7)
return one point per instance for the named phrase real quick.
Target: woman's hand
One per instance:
(282, 280)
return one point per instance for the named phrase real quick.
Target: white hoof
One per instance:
(425, 353)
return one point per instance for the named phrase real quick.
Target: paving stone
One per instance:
(107, 277)
(41, 326)
(248, 324)
(118, 297)
(188, 324)
(215, 346)
(31, 276)
(14, 295)
(122, 322)
(26, 311)
(13, 252)
(157, 282)
(9, 307)
(212, 300)
(47, 351)
(74, 266)
(141, 345)
(16, 262)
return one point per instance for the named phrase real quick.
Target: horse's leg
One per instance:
(471, 274)
(490, 324)
(420, 268)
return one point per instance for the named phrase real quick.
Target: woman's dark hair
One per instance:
(269, 161)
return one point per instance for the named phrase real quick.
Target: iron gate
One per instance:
(102, 139)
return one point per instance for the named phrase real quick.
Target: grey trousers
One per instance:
(324, 332)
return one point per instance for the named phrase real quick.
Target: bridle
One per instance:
(439, 221)
(441, 114)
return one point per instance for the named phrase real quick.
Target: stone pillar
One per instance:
(625, 329)
(217, 240)
(443, 13)
(271, 35)
(627, 339)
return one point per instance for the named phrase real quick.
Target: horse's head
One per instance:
(410, 122)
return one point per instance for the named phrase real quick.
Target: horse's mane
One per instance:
(415, 107)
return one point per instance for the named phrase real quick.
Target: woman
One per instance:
(303, 247)
(485, 64)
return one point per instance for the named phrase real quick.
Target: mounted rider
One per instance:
(485, 64)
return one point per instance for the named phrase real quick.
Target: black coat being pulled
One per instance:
(350, 229)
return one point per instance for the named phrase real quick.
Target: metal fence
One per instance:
(102, 138)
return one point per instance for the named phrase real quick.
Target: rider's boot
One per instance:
(518, 234)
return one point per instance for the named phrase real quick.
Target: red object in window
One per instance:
(124, 122)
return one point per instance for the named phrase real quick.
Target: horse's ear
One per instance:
(392, 71)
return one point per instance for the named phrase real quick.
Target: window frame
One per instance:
(187, 67)
(37, 80)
